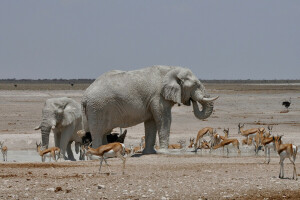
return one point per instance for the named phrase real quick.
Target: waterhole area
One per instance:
(33, 156)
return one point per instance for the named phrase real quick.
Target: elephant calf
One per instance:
(62, 116)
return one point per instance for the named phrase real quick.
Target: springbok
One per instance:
(247, 141)
(177, 146)
(129, 151)
(83, 151)
(139, 149)
(204, 145)
(4, 151)
(286, 151)
(227, 141)
(110, 150)
(268, 134)
(202, 133)
(249, 133)
(257, 140)
(267, 143)
(215, 139)
(53, 152)
(192, 140)
(226, 132)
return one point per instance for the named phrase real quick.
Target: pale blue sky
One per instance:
(215, 39)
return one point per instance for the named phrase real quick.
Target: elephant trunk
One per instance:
(207, 105)
(207, 109)
(45, 138)
(45, 131)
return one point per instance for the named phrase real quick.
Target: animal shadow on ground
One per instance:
(137, 155)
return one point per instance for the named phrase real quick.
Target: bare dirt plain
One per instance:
(186, 176)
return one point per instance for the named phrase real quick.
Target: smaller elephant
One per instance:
(62, 116)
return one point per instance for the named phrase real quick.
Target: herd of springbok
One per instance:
(259, 137)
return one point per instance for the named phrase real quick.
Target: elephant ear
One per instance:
(67, 112)
(71, 113)
(171, 90)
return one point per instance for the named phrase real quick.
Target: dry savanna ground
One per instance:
(175, 176)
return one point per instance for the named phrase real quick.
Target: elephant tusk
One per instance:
(210, 99)
(38, 127)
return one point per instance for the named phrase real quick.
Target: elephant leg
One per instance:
(64, 142)
(150, 137)
(104, 139)
(70, 152)
(163, 123)
(57, 139)
(97, 137)
(77, 147)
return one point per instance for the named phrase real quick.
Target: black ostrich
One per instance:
(112, 137)
(287, 104)
(87, 139)
(15, 85)
(72, 84)
(116, 137)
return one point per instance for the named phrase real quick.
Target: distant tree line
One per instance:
(60, 81)
(249, 81)
(77, 81)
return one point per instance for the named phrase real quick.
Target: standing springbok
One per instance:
(202, 133)
(53, 152)
(83, 152)
(260, 135)
(286, 151)
(227, 141)
(4, 151)
(268, 134)
(249, 133)
(110, 150)
(257, 140)
(267, 143)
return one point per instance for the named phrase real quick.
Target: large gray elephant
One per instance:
(64, 117)
(124, 99)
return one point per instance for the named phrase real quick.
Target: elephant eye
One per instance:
(180, 81)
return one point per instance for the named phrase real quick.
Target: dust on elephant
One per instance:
(64, 117)
(124, 99)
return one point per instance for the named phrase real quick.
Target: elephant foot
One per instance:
(163, 151)
(149, 151)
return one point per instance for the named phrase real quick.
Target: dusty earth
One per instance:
(176, 176)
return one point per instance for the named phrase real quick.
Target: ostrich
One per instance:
(287, 104)
(112, 137)
(116, 137)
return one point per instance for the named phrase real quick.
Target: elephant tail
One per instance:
(84, 115)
